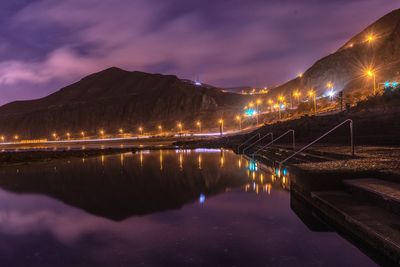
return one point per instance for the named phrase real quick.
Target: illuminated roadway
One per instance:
(113, 142)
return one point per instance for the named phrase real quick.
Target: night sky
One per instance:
(47, 44)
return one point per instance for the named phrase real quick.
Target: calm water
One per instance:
(162, 208)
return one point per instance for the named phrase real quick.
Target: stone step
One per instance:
(375, 227)
(382, 192)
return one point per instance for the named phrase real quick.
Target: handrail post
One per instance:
(294, 140)
(352, 138)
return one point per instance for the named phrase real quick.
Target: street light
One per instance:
(16, 137)
(312, 94)
(239, 119)
(102, 133)
(371, 73)
(54, 135)
(180, 126)
(370, 38)
(3, 138)
(121, 131)
(198, 124)
(271, 103)
(83, 134)
(258, 103)
(140, 130)
(160, 128)
(68, 135)
(221, 126)
(297, 95)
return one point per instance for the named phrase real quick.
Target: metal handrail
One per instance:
(276, 139)
(252, 144)
(248, 140)
(322, 136)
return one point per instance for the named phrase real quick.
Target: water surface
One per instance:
(161, 208)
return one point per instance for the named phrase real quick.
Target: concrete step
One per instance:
(375, 227)
(384, 193)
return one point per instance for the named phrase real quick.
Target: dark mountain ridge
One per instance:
(115, 98)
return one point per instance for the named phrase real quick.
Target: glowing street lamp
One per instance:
(198, 124)
(180, 127)
(258, 103)
(239, 119)
(371, 74)
(121, 131)
(54, 135)
(277, 106)
(3, 138)
(312, 94)
(251, 104)
(140, 130)
(300, 75)
(221, 126)
(16, 137)
(68, 135)
(297, 95)
(370, 38)
(271, 104)
(102, 133)
(83, 134)
(160, 128)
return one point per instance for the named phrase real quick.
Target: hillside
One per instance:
(115, 98)
(376, 47)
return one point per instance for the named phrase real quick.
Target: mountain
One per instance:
(377, 47)
(115, 98)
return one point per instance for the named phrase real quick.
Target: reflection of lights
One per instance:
(284, 172)
(122, 159)
(200, 161)
(180, 161)
(253, 166)
(253, 175)
(240, 163)
(102, 159)
(268, 188)
(202, 198)
(261, 178)
(161, 159)
(141, 158)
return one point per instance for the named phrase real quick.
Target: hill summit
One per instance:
(375, 48)
(116, 98)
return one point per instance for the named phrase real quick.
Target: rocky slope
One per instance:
(376, 47)
(115, 98)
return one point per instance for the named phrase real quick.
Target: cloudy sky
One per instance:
(47, 44)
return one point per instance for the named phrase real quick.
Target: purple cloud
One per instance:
(47, 44)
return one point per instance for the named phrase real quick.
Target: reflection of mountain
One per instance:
(118, 191)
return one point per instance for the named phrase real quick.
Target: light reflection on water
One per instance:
(159, 208)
